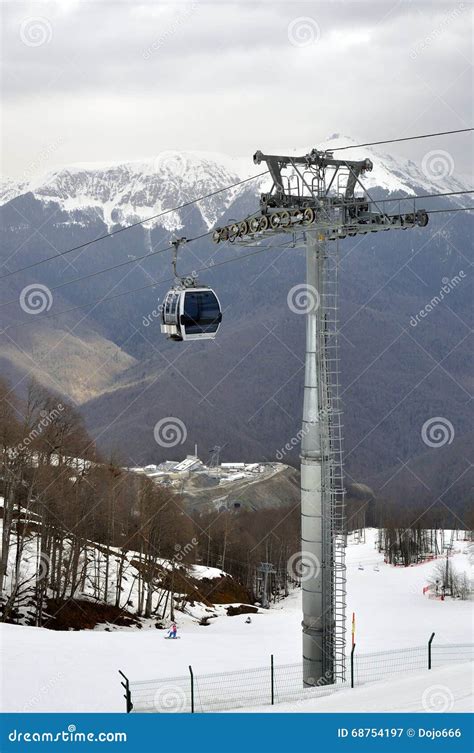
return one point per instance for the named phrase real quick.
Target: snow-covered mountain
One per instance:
(123, 193)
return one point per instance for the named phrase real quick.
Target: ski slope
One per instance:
(77, 671)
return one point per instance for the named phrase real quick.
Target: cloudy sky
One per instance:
(108, 80)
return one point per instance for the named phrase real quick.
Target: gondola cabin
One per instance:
(192, 313)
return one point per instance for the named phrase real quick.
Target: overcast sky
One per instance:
(92, 80)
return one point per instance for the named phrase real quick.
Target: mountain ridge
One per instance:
(253, 371)
(130, 191)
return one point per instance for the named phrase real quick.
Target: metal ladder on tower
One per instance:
(333, 475)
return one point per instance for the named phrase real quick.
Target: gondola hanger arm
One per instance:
(176, 243)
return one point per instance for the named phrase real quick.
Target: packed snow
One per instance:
(77, 671)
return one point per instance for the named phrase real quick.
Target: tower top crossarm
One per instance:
(314, 165)
(318, 191)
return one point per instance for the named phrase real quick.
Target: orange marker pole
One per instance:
(353, 627)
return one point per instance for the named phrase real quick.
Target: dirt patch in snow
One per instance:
(81, 614)
(224, 590)
(241, 609)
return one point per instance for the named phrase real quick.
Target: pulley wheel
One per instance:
(308, 216)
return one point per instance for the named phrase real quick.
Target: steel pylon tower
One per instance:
(315, 201)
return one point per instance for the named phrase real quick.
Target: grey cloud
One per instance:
(124, 79)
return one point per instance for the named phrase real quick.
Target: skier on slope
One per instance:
(172, 632)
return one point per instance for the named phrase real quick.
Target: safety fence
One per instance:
(276, 684)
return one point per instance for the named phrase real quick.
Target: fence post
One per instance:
(192, 688)
(352, 664)
(272, 672)
(429, 649)
(128, 695)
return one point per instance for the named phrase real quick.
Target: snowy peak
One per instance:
(132, 191)
(397, 175)
(10, 189)
(126, 192)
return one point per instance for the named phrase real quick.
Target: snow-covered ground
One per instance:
(390, 607)
(77, 671)
(441, 690)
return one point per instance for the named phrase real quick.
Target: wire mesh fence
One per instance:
(275, 684)
(373, 667)
(451, 652)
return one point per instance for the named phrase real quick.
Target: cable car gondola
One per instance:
(190, 311)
